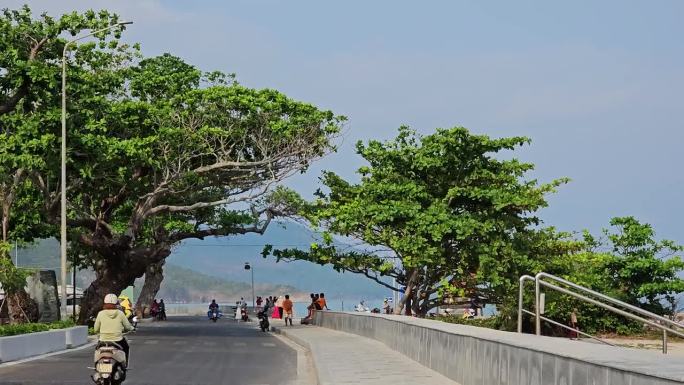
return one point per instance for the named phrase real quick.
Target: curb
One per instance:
(302, 343)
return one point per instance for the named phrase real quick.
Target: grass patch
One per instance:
(13, 330)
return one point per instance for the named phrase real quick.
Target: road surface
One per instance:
(182, 350)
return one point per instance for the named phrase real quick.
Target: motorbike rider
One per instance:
(213, 306)
(111, 323)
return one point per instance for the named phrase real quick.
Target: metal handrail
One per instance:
(549, 320)
(538, 280)
(610, 299)
(521, 292)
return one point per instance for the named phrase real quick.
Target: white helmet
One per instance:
(111, 299)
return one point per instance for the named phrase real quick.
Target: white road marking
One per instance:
(151, 342)
(268, 344)
(239, 344)
(180, 343)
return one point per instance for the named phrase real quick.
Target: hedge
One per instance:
(13, 330)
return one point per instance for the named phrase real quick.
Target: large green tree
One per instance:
(158, 150)
(30, 53)
(170, 155)
(448, 215)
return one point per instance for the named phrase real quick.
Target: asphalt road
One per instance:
(182, 350)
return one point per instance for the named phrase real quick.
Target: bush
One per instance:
(13, 330)
(489, 323)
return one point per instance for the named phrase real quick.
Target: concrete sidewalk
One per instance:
(342, 358)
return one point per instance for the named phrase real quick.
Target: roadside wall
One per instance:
(22, 346)
(477, 356)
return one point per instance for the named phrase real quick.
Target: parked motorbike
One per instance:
(243, 314)
(264, 325)
(110, 364)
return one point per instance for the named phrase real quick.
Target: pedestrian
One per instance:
(317, 303)
(162, 310)
(573, 324)
(322, 303)
(386, 306)
(276, 310)
(258, 301)
(287, 309)
(279, 305)
(154, 309)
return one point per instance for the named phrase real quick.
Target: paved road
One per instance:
(183, 350)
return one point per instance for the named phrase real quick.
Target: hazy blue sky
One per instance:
(596, 85)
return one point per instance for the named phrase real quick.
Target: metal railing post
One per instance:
(664, 341)
(537, 309)
(520, 303)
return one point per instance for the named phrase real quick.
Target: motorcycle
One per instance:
(243, 314)
(110, 364)
(214, 315)
(133, 319)
(264, 325)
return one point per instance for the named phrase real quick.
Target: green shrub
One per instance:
(489, 323)
(13, 330)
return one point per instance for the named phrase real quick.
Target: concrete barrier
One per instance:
(478, 356)
(33, 344)
(76, 336)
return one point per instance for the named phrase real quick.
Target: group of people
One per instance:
(318, 302)
(282, 307)
(158, 310)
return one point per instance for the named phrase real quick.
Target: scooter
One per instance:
(110, 364)
(264, 325)
(214, 315)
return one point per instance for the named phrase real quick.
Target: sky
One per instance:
(597, 86)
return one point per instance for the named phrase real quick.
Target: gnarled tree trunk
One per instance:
(114, 274)
(109, 279)
(154, 275)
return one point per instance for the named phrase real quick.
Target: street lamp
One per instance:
(63, 229)
(249, 267)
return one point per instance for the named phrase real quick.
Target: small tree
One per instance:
(442, 214)
(627, 263)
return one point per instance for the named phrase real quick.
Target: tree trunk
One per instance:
(154, 275)
(408, 292)
(108, 280)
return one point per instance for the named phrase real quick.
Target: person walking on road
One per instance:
(279, 305)
(287, 309)
(162, 310)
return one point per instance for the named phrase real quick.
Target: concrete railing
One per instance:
(22, 346)
(478, 356)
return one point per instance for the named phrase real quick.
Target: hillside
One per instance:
(185, 285)
(180, 284)
(219, 262)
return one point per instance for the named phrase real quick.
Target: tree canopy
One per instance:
(447, 211)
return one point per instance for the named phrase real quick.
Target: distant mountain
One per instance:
(224, 258)
(185, 285)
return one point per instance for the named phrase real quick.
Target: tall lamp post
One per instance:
(63, 226)
(249, 267)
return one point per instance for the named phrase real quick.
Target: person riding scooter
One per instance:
(111, 323)
(213, 308)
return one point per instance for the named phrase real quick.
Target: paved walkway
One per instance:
(342, 358)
